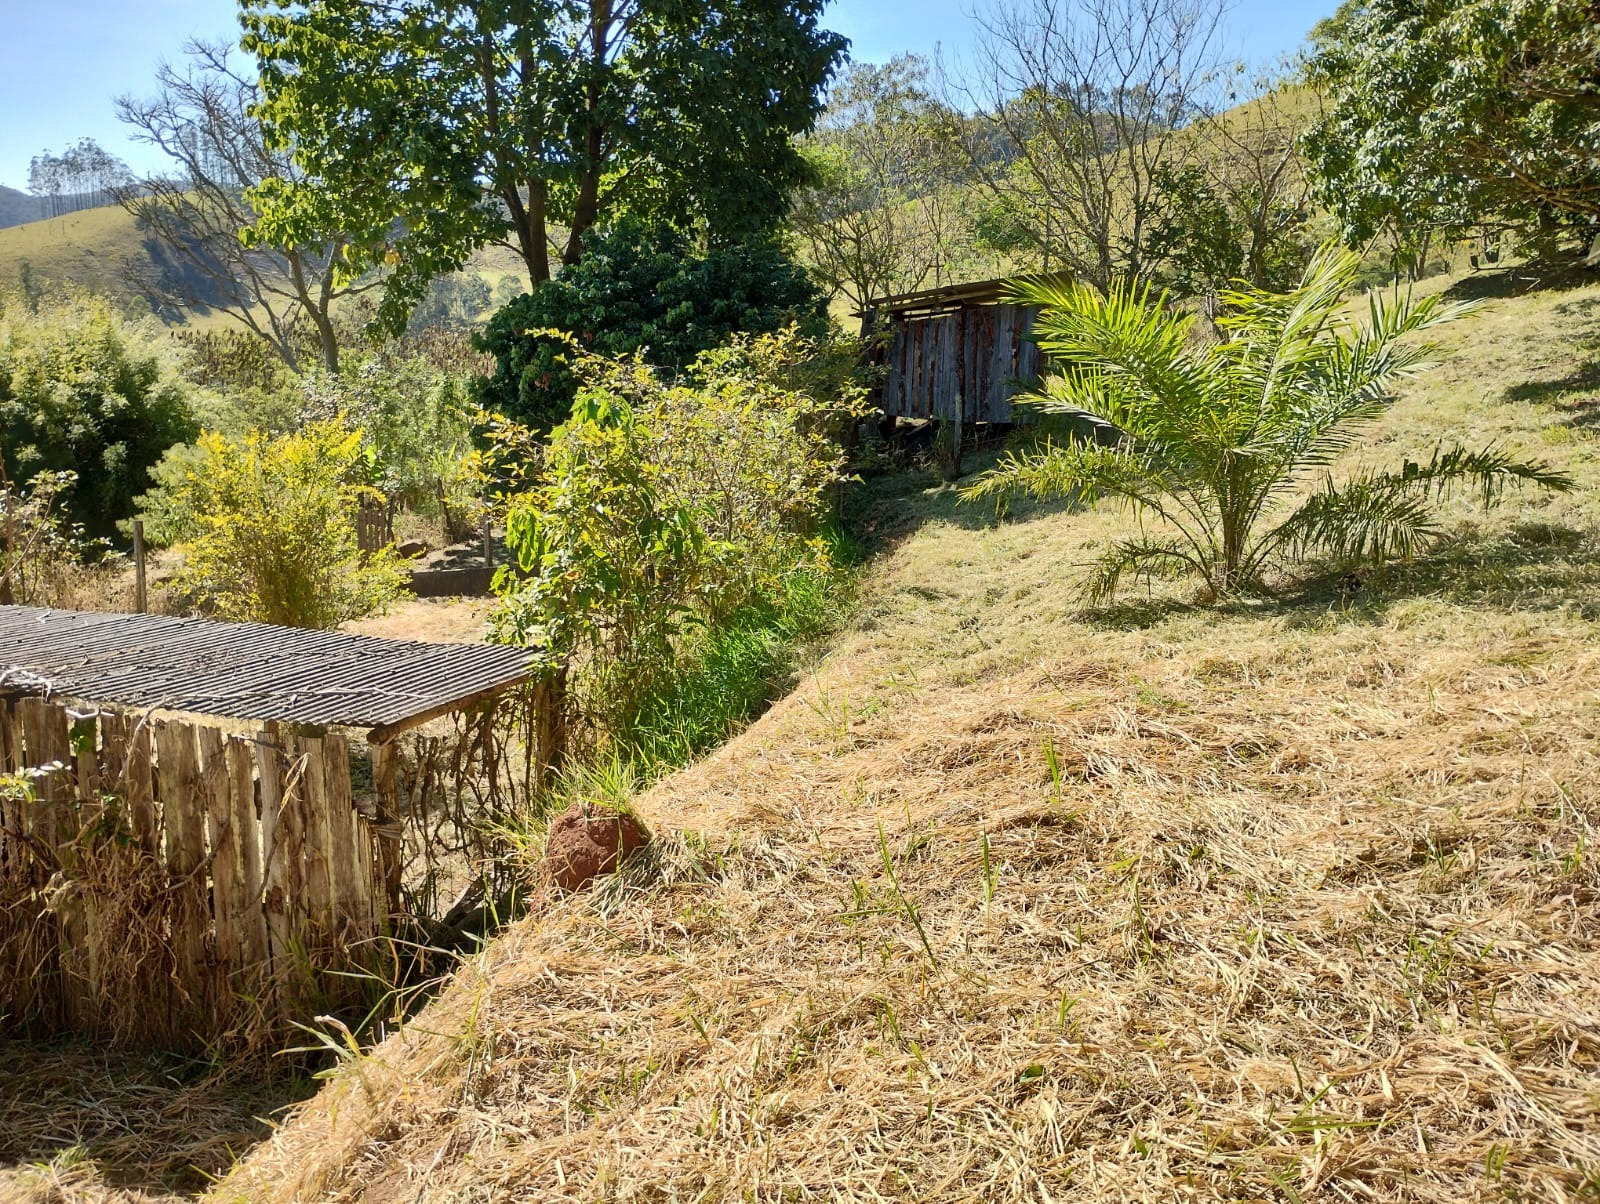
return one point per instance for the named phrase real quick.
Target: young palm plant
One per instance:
(1216, 441)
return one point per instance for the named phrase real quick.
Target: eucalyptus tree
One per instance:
(430, 129)
(1224, 448)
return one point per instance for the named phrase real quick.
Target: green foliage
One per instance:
(665, 510)
(415, 421)
(267, 527)
(82, 391)
(40, 550)
(644, 291)
(1445, 115)
(728, 671)
(1203, 236)
(1215, 440)
(431, 130)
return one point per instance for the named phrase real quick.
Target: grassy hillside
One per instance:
(1010, 901)
(92, 248)
(1285, 900)
(17, 207)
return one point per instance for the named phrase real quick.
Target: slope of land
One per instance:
(1009, 901)
(94, 249)
(17, 207)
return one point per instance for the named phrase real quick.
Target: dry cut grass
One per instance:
(1009, 902)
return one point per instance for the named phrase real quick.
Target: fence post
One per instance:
(488, 542)
(138, 566)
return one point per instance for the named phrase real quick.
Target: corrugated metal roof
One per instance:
(249, 671)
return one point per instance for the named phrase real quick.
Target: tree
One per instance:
(1213, 441)
(1078, 105)
(883, 214)
(432, 129)
(81, 177)
(1445, 116)
(83, 392)
(1239, 210)
(645, 291)
(203, 119)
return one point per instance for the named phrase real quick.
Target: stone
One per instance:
(411, 548)
(586, 842)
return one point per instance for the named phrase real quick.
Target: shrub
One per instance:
(82, 391)
(415, 421)
(1213, 439)
(665, 511)
(644, 292)
(43, 556)
(267, 527)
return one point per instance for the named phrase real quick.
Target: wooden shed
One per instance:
(953, 352)
(182, 849)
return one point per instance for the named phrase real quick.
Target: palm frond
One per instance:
(1365, 520)
(1489, 473)
(1146, 558)
(1072, 471)
(1387, 515)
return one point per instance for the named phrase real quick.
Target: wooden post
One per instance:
(488, 542)
(252, 928)
(139, 599)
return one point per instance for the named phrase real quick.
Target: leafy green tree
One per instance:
(1215, 441)
(84, 392)
(1239, 210)
(644, 291)
(431, 129)
(1445, 115)
(267, 527)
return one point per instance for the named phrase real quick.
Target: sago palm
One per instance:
(1216, 441)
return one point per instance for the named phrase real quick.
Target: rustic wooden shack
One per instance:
(182, 851)
(958, 353)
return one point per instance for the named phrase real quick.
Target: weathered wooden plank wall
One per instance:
(970, 361)
(159, 877)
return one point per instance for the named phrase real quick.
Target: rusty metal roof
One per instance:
(953, 296)
(246, 671)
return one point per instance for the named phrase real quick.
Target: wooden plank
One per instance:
(347, 879)
(222, 840)
(251, 924)
(313, 798)
(126, 771)
(277, 862)
(183, 809)
(46, 742)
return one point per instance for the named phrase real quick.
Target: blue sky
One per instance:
(62, 61)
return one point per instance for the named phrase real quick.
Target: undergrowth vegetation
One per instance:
(671, 548)
(1269, 898)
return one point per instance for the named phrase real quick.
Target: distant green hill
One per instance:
(18, 207)
(94, 248)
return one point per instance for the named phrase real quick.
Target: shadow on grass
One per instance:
(1576, 396)
(80, 1120)
(889, 507)
(1536, 566)
(1521, 279)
